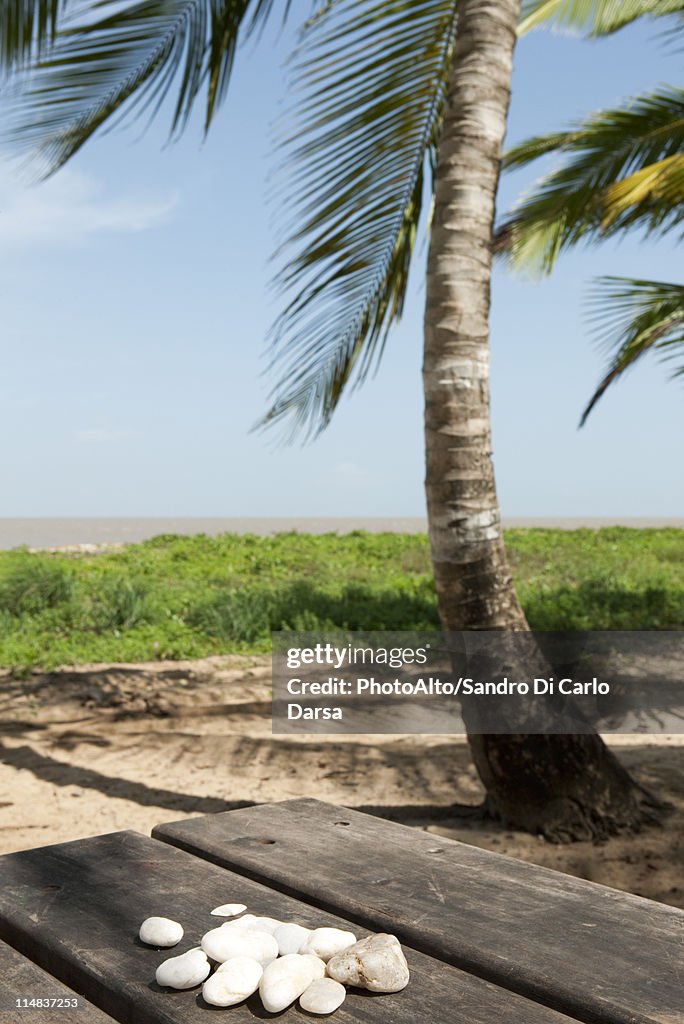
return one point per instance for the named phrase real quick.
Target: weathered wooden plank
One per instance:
(592, 952)
(23, 982)
(76, 909)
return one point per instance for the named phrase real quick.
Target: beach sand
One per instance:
(101, 748)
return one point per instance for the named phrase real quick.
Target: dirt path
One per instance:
(103, 748)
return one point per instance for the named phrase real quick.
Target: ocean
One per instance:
(65, 531)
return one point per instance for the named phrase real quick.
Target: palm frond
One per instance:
(26, 28)
(535, 147)
(124, 62)
(633, 317)
(226, 20)
(659, 183)
(596, 17)
(622, 169)
(370, 80)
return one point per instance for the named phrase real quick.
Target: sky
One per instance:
(136, 301)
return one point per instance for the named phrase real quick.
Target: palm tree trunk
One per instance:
(471, 573)
(563, 786)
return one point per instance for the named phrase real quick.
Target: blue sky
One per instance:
(135, 297)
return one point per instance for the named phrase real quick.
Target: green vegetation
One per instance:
(186, 597)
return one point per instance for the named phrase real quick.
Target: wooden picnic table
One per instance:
(488, 939)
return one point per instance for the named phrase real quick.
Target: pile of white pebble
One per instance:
(283, 960)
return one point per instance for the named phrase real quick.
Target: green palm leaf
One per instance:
(660, 183)
(632, 318)
(623, 169)
(597, 17)
(26, 27)
(370, 83)
(124, 61)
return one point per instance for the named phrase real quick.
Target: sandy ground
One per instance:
(103, 748)
(84, 533)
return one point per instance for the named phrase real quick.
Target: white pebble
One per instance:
(323, 996)
(316, 965)
(246, 921)
(291, 937)
(184, 971)
(223, 944)
(376, 963)
(266, 924)
(234, 963)
(228, 910)
(160, 932)
(284, 981)
(326, 942)
(234, 981)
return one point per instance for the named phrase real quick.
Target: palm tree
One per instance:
(621, 170)
(26, 30)
(395, 100)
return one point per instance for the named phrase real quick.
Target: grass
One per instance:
(187, 597)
